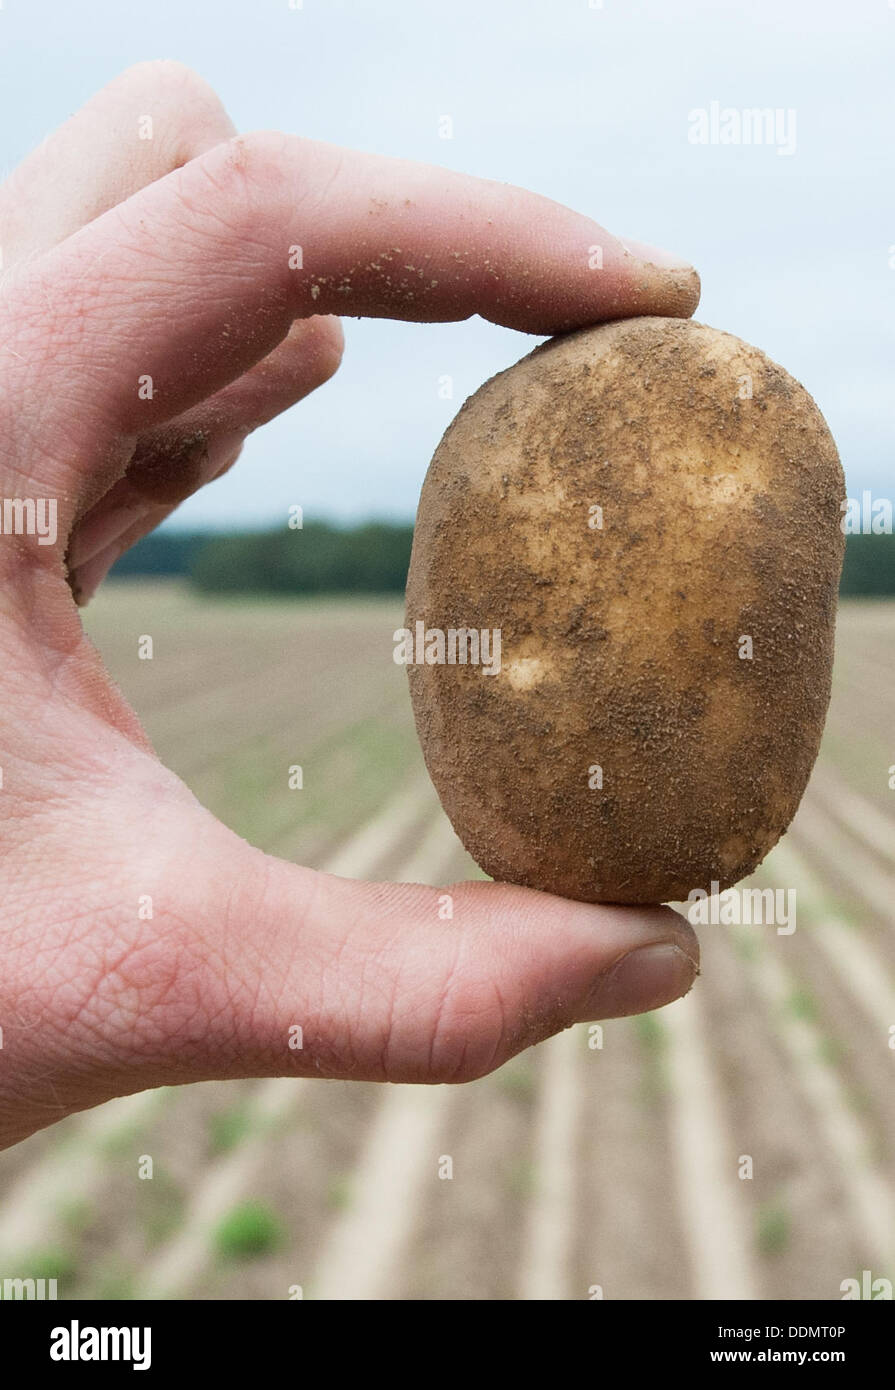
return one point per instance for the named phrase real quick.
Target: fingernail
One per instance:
(645, 978)
(654, 255)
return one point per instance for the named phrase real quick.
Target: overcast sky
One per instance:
(589, 105)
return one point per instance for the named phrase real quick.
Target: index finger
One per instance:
(193, 280)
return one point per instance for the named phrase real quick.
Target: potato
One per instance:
(635, 532)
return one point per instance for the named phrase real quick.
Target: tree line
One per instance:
(322, 558)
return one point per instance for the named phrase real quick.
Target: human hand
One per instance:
(167, 260)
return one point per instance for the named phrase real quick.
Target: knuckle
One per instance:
(253, 173)
(251, 163)
(163, 78)
(187, 109)
(232, 181)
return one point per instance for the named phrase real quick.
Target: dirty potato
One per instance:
(620, 611)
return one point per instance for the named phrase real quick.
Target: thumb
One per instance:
(250, 966)
(400, 982)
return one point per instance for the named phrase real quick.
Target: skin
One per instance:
(621, 645)
(126, 258)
